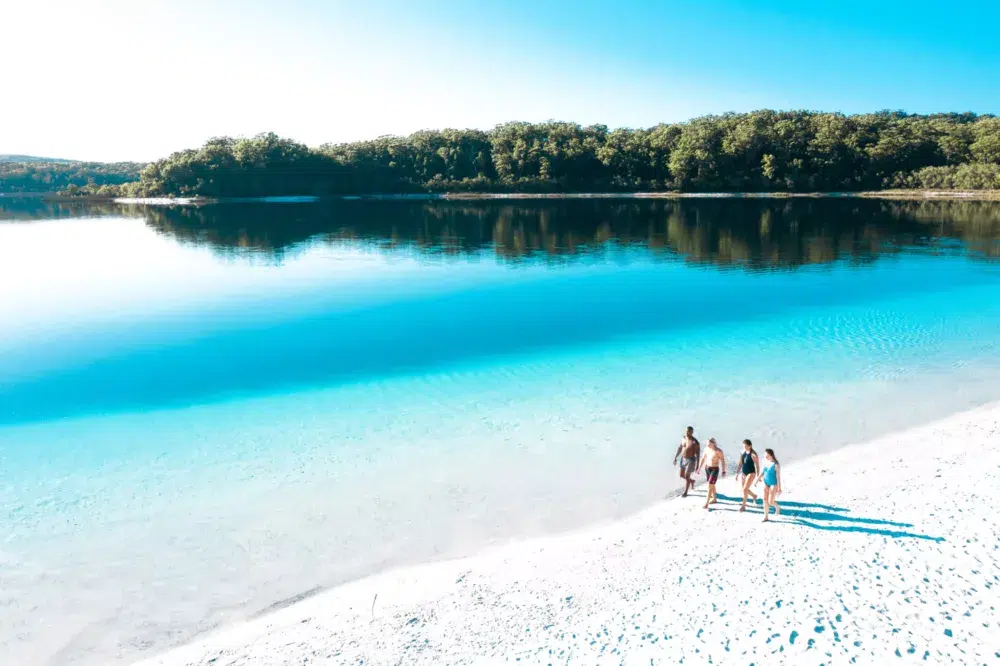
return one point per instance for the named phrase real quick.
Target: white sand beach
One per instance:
(885, 550)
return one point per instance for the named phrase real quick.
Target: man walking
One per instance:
(714, 461)
(688, 452)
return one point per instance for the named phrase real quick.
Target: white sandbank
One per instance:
(156, 201)
(886, 552)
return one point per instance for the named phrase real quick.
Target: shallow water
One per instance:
(204, 412)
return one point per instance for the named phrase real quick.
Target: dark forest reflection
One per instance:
(752, 233)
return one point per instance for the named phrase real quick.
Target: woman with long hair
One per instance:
(771, 475)
(749, 465)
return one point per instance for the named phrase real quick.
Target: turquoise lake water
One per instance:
(205, 412)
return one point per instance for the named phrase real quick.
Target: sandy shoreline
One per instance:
(887, 549)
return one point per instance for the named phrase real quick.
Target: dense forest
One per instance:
(67, 177)
(794, 151)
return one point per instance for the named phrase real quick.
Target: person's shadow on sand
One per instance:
(832, 518)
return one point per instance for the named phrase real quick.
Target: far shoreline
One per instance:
(982, 195)
(911, 195)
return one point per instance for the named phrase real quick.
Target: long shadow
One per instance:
(818, 515)
(796, 518)
(895, 534)
(801, 505)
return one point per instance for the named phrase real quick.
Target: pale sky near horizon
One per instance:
(130, 80)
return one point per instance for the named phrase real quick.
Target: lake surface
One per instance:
(207, 411)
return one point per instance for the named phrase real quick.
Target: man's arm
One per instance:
(678, 454)
(723, 466)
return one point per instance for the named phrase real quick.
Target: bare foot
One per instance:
(706, 505)
(714, 501)
(765, 520)
(743, 508)
(777, 510)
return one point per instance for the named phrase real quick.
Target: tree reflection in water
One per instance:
(754, 234)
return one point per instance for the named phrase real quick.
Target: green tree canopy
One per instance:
(783, 151)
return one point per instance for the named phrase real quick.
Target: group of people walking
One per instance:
(713, 459)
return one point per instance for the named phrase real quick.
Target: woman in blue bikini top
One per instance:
(771, 475)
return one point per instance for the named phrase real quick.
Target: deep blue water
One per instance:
(204, 411)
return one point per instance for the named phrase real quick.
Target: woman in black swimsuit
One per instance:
(749, 466)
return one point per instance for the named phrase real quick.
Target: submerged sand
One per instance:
(885, 550)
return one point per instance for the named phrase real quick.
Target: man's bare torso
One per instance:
(691, 447)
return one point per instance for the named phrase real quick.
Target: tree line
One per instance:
(790, 151)
(96, 178)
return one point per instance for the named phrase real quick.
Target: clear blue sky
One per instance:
(124, 79)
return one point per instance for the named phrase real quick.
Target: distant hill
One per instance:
(25, 174)
(33, 159)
